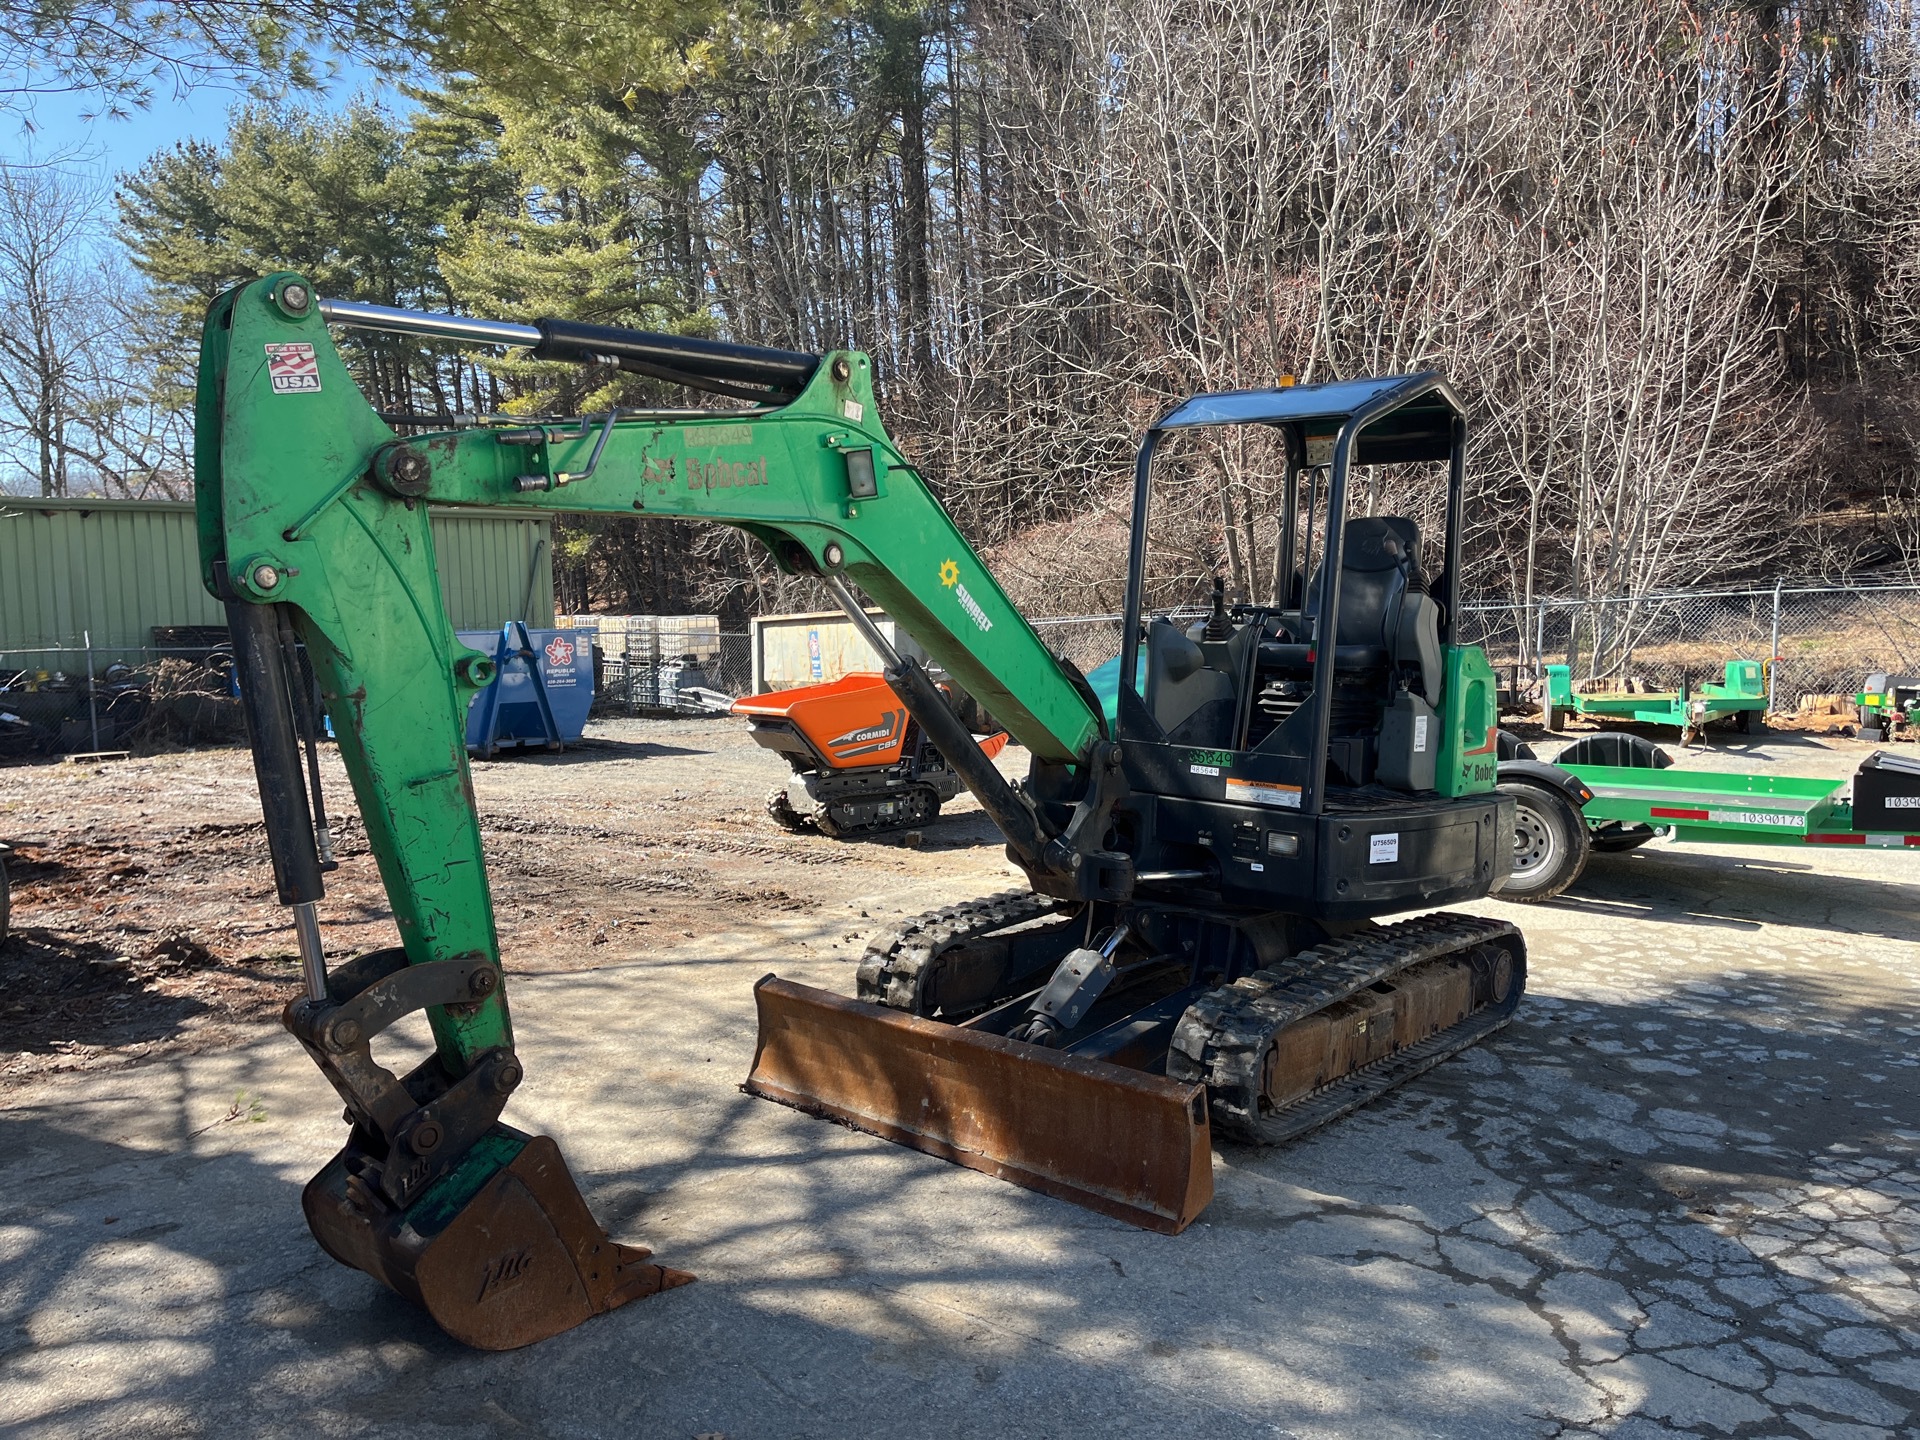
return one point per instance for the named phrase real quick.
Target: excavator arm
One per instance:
(314, 531)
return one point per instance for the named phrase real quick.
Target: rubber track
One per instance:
(894, 961)
(1223, 1036)
(928, 811)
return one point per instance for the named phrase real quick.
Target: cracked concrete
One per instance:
(1679, 1196)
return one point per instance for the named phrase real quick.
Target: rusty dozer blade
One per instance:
(1127, 1144)
(502, 1252)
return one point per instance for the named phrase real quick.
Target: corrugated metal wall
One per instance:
(117, 568)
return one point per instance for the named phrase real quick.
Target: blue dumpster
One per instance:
(541, 694)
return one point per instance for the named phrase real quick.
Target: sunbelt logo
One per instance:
(950, 577)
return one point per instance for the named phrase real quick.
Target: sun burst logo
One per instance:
(949, 574)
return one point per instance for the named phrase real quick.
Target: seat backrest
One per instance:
(1383, 600)
(1376, 561)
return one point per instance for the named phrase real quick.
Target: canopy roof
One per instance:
(1413, 415)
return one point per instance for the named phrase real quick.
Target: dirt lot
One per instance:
(145, 920)
(1678, 1196)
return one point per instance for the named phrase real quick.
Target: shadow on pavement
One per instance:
(1532, 1235)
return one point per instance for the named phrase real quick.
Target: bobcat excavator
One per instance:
(1196, 946)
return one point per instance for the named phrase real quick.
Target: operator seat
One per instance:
(1385, 609)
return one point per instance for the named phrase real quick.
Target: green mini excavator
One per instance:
(1209, 852)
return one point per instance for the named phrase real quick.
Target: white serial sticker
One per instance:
(1383, 849)
(1262, 792)
(1903, 802)
(1756, 817)
(293, 368)
(1204, 769)
(853, 410)
(1419, 734)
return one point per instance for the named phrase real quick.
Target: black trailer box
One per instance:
(1886, 793)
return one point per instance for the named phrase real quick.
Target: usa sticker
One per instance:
(293, 367)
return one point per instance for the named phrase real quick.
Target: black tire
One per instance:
(1743, 721)
(1614, 747)
(1617, 839)
(1550, 842)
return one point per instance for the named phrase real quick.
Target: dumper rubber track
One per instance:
(918, 805)
(894, 968)
(780, 810)
(1223, 1037)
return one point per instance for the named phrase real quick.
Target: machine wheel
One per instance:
(1550, 844)
(1743, 721)
(784, 815)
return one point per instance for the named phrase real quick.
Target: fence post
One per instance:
(93, 709)
(1540, 642)
(1773, 652)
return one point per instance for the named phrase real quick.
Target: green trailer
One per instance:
(1581, 803)
(1889, 707)
(1742, 696)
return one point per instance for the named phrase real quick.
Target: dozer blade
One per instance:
(1127, 1144)
(502, 1252)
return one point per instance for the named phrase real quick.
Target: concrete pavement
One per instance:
(1680, 1195)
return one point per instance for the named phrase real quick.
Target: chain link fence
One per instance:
(76, 699)
(1823, 639)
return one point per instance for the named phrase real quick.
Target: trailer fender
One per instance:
(1540, 772)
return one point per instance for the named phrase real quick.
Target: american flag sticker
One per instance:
(293, 368)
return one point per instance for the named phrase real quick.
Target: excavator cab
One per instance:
(1201, 948)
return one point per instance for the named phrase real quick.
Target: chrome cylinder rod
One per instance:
(313, 958)
(359, 316)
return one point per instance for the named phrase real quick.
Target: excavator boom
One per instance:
(313, 528)
(1206, 852)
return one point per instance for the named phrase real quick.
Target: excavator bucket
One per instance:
(502, 1252)
(1127, 1144)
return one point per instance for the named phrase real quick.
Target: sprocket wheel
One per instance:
(783, 814)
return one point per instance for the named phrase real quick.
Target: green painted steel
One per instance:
(1744, 689)
(305, 498)
(1710, 807)
(1469, 724)
(117, 568)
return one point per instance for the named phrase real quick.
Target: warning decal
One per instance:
(1262, 792)
(293, 367)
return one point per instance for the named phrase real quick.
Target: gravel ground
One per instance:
(1680, 1195)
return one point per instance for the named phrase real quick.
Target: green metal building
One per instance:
(112, 570)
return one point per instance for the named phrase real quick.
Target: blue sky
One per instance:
(113, 145)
